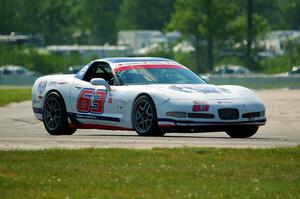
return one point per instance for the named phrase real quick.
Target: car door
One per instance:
(96, 104)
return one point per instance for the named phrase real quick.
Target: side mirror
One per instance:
(100, 82)
(205, 78)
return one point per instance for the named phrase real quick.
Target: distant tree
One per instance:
(62, 22)
(145, 14)
(54, 20)
(99, 19)
(11, 18)
(203, 20)
(270, 11)
(50, 17)
(290, 14)
(245, 28)
(280, 14)
(249, 32)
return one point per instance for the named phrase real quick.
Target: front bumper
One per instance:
(249, 113)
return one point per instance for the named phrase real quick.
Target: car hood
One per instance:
(198, 91)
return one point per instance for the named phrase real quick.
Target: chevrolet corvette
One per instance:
(151, 96)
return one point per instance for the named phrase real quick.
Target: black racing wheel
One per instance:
(55, 116)
(144, 117)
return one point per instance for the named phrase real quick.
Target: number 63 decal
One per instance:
(91, 100)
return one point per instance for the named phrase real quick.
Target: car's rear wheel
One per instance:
(242, 131)
(144, 117)
(55, 116)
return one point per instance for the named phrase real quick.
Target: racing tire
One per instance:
(144, 117)
(55, 116)
(242, 132)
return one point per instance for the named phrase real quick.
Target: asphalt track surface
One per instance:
(20, 130)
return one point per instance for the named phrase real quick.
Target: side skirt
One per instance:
(75, 123)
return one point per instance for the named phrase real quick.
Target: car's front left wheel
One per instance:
(144, 117)
(55, 116)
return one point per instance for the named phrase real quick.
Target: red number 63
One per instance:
(91, 100)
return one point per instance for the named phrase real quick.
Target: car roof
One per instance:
(114, 62)
(118, 61)
(133, 59)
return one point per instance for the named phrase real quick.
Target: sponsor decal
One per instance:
(183, 89)
(94, 117)
(51, 83)
(225, 90)
(54, 83)
(189, 89)
(207, 90)
(110, 100)
(225, 102)
(86, 116)
(61, 82)
(197, 102)
(41, 88)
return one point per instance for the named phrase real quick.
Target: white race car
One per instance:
(152, 96)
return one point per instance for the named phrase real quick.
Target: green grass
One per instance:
(156, 173)
(8, 95)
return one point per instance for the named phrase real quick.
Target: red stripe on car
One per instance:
(122, 68)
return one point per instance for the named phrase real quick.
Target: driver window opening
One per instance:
(100, 70)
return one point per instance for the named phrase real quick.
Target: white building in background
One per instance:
(22, 39)
(274, 42)
(184, 47)
(89, 50)
(144, 41)
(139, 39)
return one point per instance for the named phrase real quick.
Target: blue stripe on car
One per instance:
(83, 116)
(37, 110)
(95, 117)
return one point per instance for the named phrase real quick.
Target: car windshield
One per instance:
(156, 74)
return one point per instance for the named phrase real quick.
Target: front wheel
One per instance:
(144, 117)
(242, 131)
(55, 116)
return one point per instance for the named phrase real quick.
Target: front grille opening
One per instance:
(201, 115)
(228, 113)
(251, 115)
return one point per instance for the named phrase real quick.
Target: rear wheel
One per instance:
(242, 132)
(55, 116)
(144, 117)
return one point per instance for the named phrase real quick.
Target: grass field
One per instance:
(156, 173)
(14, 94)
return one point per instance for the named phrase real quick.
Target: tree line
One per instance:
(210, 25)
(98, 21)
(82, 21)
